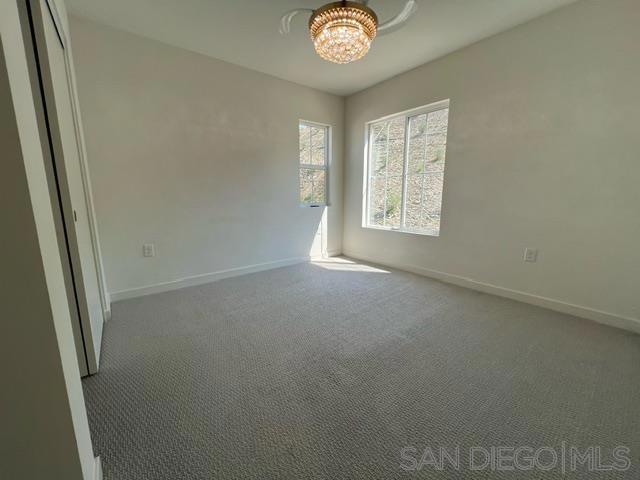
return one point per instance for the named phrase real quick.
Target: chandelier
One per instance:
(342, 32)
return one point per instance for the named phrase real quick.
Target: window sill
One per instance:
(422, 233)
(313, 205)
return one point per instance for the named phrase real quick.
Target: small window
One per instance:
(405, 170)
(314, 160)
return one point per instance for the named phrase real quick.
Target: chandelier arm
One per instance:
(285, 20)
(399, 20)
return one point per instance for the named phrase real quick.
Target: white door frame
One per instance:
(82, 152)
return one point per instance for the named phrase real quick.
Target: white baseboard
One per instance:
(607, 318)
(334, 253)
(203, 278)
(97, 469)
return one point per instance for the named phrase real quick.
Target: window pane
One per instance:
(376, 201)
(417, 144)
(378, 159)
(386, 164)
(395, 160)
(413, 215)
(433, 194)
(438, 121)
(407, 152)
(426, 149)
(424, 200)
(387, 141)
(312, 186)
(305, 143)
(393, 205)
(318, 144)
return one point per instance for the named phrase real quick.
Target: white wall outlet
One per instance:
(531, 255)
(149, 250)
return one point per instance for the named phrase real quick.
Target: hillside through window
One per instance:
(314, 159)
(405, 170)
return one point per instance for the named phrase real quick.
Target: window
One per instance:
(314, 160)
(405, 169)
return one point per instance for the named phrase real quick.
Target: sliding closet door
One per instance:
(61, 126)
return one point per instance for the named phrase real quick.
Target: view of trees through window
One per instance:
(313, 142)
(406, 168)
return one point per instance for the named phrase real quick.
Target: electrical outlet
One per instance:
(531, 255)
(149, 250)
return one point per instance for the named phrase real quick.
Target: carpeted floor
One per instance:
(328, 370)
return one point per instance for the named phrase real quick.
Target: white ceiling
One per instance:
(245, 32)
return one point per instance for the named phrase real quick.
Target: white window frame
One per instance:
(327, 162)
(407, 114)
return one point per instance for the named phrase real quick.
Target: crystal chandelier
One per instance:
(342, 32)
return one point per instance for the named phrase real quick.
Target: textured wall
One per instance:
(197, 156)
(542, 152)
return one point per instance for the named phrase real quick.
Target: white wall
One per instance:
(543, 152)
(197, 156)
(44, 432)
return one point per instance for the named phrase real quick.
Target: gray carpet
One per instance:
(309, 372)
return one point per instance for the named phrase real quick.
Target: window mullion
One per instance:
(310, 144)
(423, 198)
(325, 164)
(405, 168)
(386, 178)
(369, 193)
